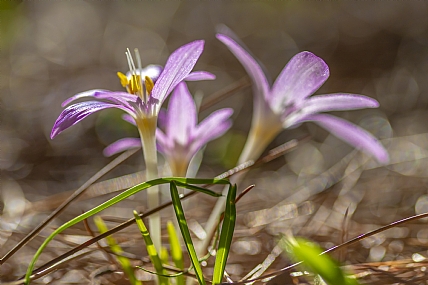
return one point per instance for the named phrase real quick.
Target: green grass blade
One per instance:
(116, 249)
(198, 189)
(197, 181)
(164, 255)
(314, 261)
(226, 235)
(176, 252)
(131, 191)
(163, 275)
(151, 250)
(185, 232)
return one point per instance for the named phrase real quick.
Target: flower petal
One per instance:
(153, 71)
(89, 93)
(181, 115)
(121, 98)
(330, 102)
(162, 118)
(351, 134)
(199, 75)
(179, 64)
(128, 118)
(162, 142)
(338, 102)
(300, 78)
(121, 145)
(77, 112)
(211, 128)
(253, 69)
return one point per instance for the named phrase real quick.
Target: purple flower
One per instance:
(182, 137)
(143, 98)
(287, 103)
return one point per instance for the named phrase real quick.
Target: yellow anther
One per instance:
(135, 84)
(149, 84)
(123, 79)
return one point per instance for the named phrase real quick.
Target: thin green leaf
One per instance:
(116, 249)
(164, 255)
(131, 191)
(176, 252)
(197, 180)
(226, 235)
(316, 262)
(163, 275)
(185, 232)
(151, 250)
(199, 189)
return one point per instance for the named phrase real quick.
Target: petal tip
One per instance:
(382, 157)
(53, 134)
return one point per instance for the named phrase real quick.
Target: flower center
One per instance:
(133, 82)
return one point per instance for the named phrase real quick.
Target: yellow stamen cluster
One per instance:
(135, 85)
(132, 85)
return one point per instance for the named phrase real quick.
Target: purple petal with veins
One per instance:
(179, 65)
(89, 93)
(77, 112)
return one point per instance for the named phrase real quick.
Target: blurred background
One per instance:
(322, 190)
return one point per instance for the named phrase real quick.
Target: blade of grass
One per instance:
(226, 235)
(131, 191)
(151, 250)
(185, 232)
(67, 202)
(176, 252)
(116, 249)
(321, 264)
(164, 255)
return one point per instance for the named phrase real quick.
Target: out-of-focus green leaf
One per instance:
(176, 252)
(185, 232)
(316, 262)
(116, 249)
(164, 255)
(226, 235)
(151, 250)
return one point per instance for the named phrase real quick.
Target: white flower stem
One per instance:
(147, 129)
(258, 139)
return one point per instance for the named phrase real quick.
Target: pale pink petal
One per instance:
(330, 102)
(152, 71)
(121, 145)
(260, 82)
(181, 115)
(352, 134)
(212, 127)
(162, 142)
(129, 119)
(199, 75)
(299, 79)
